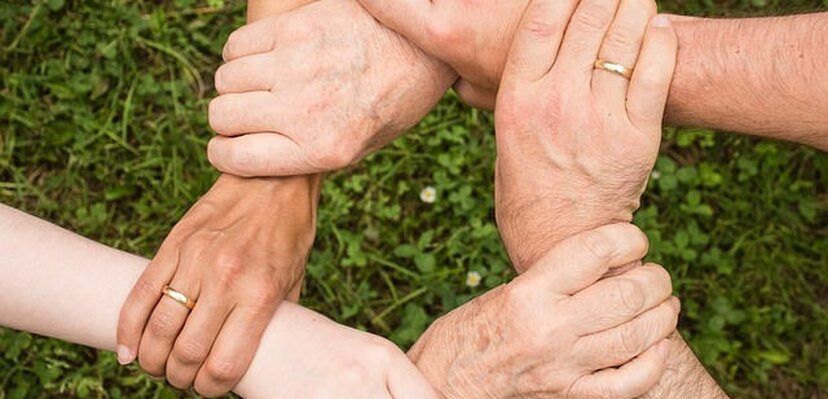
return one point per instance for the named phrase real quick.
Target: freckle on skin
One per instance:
(482, 344)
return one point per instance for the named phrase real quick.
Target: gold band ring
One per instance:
(178, 296)
(612, 67)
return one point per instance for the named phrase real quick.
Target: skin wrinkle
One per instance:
(796, 110)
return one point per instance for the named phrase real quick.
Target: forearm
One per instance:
(763, 76)
(58, 284)
(258, 9)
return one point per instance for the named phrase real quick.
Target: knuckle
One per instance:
(190, 352)
(223, 370)
(538, 23)
(382, 351)
(593, 16)
(163, 324)
(442, 33)
(629, 295)
(622, 39)
(598, 244)
(337, 156)
(230, 267)
(265, 298)
(147, 288)
(630, 341)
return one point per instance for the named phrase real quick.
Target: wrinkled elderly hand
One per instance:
(558, 332)
(473, 37)
(576, 144)
(238, 252)
(316, 90)
(305, 355)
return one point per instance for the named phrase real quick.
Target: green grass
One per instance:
(103, 128)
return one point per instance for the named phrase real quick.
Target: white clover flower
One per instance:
(428, 195)
(655, 175)
(473, 279)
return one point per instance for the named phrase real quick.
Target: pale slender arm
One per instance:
(58, 284)
(762, 76)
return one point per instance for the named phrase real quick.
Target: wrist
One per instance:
(532, 230)
(685, 376)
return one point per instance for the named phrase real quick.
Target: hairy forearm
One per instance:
(762, 76)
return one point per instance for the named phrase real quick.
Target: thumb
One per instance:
(581, 260)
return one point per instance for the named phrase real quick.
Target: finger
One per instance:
(233, 351)
(537, 40)
(579, 261)
(617, 300)
(630, 380)
(583, 38)
(616, 346)
(142, 299)
(165, 323)
(259, 154)
(254, 38)
(245, 74)
(650, 84)
(242, 113)
(475, 96)
(195, 341)
(405, 381)
(621, 46)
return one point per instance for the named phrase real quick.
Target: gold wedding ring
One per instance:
(612, 67)
(178, 296)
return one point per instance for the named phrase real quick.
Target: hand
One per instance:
(316, 90)
(305, 355)
(558, 332)
(473, 37)
(576, 144)
(238, 252)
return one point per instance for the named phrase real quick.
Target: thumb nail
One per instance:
(125, 355)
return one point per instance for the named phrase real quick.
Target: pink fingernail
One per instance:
(661, 21)
(124, 355)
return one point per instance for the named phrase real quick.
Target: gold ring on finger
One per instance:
(178, 296)
(615, 68)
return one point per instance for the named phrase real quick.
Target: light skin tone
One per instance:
(719, 68)
(506, 378)
(61, 285)
(314, 22)
(760, 76)
(312, 87)
(209, 256)
(58, 284)
(579, 139)
(597, 153)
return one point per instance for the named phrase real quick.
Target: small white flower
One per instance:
(428, 195)
(655, 175)
(473, 279)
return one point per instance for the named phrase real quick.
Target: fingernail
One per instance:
(124, 355)
(661, 21)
